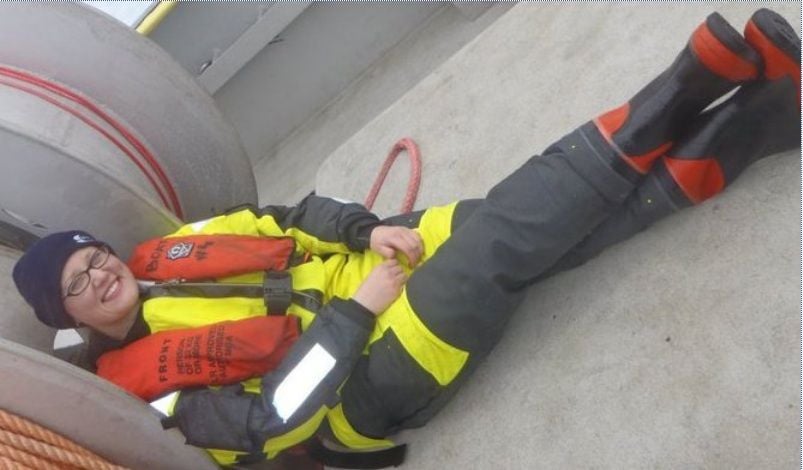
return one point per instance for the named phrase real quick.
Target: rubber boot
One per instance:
(761, 119)
(715, 60)
(773, 37)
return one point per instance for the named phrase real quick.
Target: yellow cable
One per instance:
(156, 16)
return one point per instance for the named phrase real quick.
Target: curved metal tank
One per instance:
(91, 412)
(102, 130)
(99, 130)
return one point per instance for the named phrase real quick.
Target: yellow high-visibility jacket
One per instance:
(388, 369)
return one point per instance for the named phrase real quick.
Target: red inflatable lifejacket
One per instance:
(217, 354)
(196, 257)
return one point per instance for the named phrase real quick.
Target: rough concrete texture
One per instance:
(679, 348)
(287, 173)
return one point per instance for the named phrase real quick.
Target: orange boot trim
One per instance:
(776, 63)
(718, 58)
(610, 122)
(700, 179)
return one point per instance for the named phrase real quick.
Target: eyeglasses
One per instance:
(80, 281)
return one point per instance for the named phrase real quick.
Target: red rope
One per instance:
(151, 162)
(94, 126)
(415, 174)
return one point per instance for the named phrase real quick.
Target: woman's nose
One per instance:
(98, 276)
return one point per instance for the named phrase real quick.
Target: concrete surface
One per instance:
(679, 348)
(287, 173)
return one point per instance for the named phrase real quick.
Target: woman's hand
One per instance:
(387, 240)
(381, 287)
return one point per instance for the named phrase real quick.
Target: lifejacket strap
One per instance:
(392, 457)
(169, 422)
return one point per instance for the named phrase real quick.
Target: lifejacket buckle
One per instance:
(277, 291)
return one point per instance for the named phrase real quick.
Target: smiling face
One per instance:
(108, 304)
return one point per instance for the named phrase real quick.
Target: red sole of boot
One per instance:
(709, 46)
(777, 62)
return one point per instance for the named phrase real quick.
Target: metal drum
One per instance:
(101, 130)
(91, 412)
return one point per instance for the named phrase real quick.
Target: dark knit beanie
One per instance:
(37, 274)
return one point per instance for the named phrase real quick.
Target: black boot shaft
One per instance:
(661, 111)
(761, 119)
(715, 60)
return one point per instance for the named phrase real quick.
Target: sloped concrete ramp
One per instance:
(679, 348)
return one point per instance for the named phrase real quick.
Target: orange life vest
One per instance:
(216, 354)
